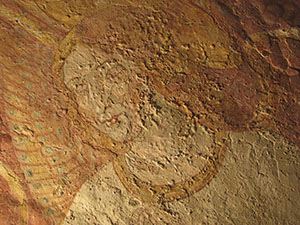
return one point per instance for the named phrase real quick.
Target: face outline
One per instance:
(194, 181)
(105, 88)
(94, 40)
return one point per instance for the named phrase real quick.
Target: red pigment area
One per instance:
(9, 214)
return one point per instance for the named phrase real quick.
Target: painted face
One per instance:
(104, 87)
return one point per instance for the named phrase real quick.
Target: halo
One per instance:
(143, 190)
(148, 192)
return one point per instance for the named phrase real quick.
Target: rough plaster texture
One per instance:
(257, 184)
(149, 112)
(102, 85)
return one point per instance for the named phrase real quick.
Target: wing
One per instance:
(43, 138)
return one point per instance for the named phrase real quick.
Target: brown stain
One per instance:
(8, 204)
(221, 77)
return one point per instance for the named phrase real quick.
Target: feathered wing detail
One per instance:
(45, 145)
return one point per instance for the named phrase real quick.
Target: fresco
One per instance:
(147, 92)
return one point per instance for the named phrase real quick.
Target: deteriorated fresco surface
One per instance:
(149, 112)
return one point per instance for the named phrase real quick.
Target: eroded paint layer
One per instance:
(151, 90)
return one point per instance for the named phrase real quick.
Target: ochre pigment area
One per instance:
(135, 112)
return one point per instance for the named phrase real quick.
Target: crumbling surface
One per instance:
(257, 178)
(149, 112)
